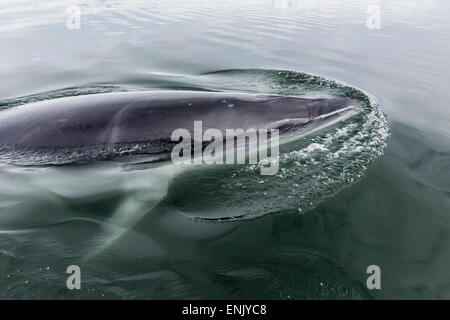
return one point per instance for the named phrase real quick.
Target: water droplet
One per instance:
(48, 268)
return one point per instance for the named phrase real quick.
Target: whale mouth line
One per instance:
(327, 115)
(304, 120)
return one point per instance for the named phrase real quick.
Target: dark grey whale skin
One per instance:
(129, 117)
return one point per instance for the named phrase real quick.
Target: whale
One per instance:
(84, 129)
(104, 126)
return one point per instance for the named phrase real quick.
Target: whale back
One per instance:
(149, 118)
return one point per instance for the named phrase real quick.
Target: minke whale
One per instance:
(105, 126)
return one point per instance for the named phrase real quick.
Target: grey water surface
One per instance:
(372, 190)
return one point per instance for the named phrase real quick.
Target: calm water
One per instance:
(394, 212)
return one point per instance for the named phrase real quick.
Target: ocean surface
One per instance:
(372, 189)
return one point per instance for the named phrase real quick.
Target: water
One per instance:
(139, 232)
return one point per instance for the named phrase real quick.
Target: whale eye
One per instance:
(231, 105)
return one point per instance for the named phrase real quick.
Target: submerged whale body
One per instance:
(104, 126)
